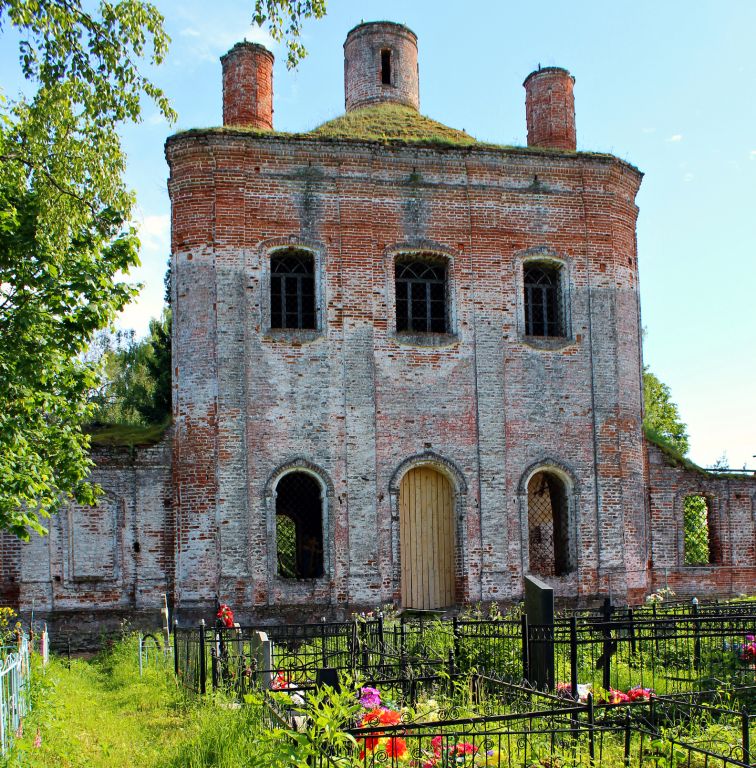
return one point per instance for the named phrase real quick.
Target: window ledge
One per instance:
(415, 339)
(547, 342)
(293, 335)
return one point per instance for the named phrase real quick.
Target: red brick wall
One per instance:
(116, 557)
(356, 401)
(732, 508)
(248, 86)
(362, 65)
(550, 108)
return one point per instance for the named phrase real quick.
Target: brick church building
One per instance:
(406, 368)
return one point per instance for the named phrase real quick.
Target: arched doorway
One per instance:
(549, 531)
(426, 535)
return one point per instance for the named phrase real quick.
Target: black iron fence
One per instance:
(587, 734)
(693, 649)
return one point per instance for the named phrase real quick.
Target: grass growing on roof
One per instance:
(127, 435)
(391, 122)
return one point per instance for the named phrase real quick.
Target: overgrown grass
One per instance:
(128, 435)
(101, 714)
(392, 122)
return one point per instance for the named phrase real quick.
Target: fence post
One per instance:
(696, 636)
(175, 648)
(141, 646)
(364, 646)
(202, 661)
(323, 650)
(745, 725)
(606, 611)
(381, 645)
(591, 744)
(525, 647)
(455, 631)
(215, 653)
(631, 619)
(573, 658)
(628, 736)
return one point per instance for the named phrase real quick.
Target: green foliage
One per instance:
(65, 236)
(661, 414)
(135, 383)
(696, 531)
(284, 19)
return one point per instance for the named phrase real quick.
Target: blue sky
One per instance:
(668, 86)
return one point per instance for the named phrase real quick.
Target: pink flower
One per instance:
(38, 740)
(370, 698)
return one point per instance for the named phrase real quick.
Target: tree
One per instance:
(661, 414)
(135, 376)
(65, 234)
(284, 19)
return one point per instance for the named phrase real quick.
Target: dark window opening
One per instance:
(292, 290)
(700, 543)
(548, 526)
(421, 297)
(299, 527)
(386, 66)
(544, 315)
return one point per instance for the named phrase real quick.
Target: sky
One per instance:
(668, 86)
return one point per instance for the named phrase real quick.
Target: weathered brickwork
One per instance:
(732, 524)
(354, 403)
(380, 65)
(112, 561)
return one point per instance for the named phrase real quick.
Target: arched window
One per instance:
(292, 290)
(700, 539)
(299, 526)
(421, 296)
(549, 535)
(544, 313)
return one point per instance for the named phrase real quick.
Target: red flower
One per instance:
(396, 747)
(226, 615)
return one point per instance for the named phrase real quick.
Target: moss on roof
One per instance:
(126, 435)
(675, 459)
(391, 122)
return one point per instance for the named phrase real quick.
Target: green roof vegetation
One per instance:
(126, 435)
(676, 459)
(391, 122)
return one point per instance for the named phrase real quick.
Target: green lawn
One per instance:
(101, 714)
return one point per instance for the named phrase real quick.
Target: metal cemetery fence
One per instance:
(669, 653)
(14, 690)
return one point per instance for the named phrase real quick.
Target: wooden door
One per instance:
(426, 535)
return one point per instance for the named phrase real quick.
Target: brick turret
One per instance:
(550, 108)
(380, 65)
(248, 86)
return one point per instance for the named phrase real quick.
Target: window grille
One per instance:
(292, 290)
(299, 527)
(548, 526)
(421, 297)
(544, 314)
(697, 531)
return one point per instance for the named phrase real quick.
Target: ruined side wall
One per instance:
(354, 400)
(99, 563)
(732, 511)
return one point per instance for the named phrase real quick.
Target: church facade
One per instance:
(407, 369)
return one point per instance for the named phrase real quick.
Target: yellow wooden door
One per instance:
(426, 535)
